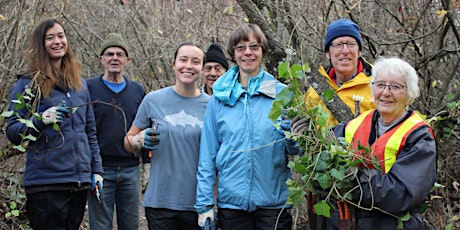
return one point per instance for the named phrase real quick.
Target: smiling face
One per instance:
(114, 60)
(188, 64)
(56, 42)
(212, 71)
(344, 59)
(249, 59)
(390, 101)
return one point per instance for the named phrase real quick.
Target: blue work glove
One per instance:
(54, 114)
(96, 179)
(207, 219)
(147, 139)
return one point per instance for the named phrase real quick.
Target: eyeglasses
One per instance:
(217, 68)
(111, 54)
(339, 45)
(253, 47)
(380, 86)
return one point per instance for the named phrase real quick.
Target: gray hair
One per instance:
(399, 69)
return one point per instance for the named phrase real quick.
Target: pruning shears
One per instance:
(154, 127)
(97, 193)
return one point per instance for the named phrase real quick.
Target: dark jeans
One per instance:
(56, 210)
(260, 219)
(162, 218)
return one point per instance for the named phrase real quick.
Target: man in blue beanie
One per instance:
(216, 65)
(349, 74)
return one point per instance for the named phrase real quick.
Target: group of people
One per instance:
(209, 147)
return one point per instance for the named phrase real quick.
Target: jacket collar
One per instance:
(228, 90)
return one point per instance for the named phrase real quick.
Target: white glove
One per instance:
(204, 216)
(146, 175)
(138, 140)
(147, 138)
(96, 179)
(54, 115)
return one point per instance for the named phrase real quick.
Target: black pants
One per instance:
(162, 218)
(260, 219)
(56, 210)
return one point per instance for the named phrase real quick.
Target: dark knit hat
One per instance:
(340, 28)
(215, 54)
(114, 40)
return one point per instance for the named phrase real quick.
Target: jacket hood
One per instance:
(227, 88)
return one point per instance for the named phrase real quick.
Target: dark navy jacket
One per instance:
(65, 157)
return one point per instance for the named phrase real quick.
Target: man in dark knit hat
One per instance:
(216, 65)
(118, 97)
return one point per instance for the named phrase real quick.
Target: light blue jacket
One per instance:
(241, 145)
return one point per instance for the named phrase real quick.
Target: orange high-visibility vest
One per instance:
(386, 147)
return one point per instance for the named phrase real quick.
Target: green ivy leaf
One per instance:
(30, 137)
(56, 127)
(13, 205)
(321, 166)
(338, 174)
(324, 180)
(19, 148)
(322, 208)
(328, 95)
(276, 110)
(284, 96)
(15, 213)
(296, 193)
(283, 70)
(7, 114)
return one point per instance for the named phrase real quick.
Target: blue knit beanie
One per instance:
(340, 28)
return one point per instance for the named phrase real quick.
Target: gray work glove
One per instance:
(299, 125)
(206, 220)
(54, 114)
(147, 138)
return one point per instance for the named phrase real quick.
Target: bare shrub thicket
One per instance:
(423, 32)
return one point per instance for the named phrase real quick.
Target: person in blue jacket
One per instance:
(241, 144)
(63, 162)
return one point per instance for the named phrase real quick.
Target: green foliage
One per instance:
(322, 167)
(12, 203)
(328, 167)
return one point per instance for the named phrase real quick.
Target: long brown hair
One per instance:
(67, 76)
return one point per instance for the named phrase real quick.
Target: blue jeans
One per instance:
(120, 190)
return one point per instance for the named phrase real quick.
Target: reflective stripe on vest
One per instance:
(387, 147)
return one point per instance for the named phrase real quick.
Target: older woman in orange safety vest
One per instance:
(403, 145)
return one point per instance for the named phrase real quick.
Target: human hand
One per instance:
(96, 179)
(54, 114)
(206, 220)
(299, 125)
(147, 139)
